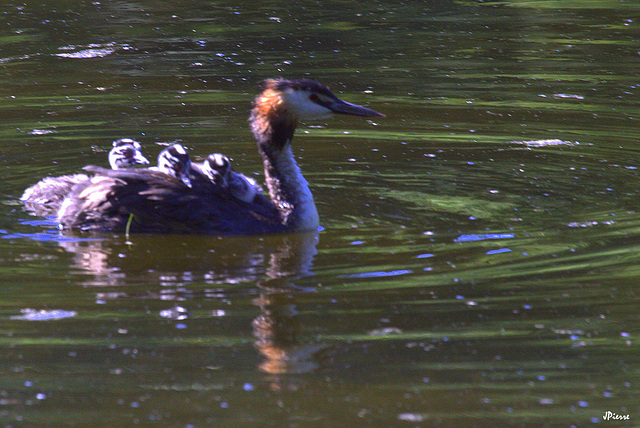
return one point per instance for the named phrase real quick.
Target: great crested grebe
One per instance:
(151, 201)
(126, 153)
(217, 168)
(44, 197)
(176, 162)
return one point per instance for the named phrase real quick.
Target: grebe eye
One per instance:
(315, 98)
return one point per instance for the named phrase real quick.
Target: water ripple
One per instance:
(483, 237)
(378, 274)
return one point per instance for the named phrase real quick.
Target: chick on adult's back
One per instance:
(44, 197)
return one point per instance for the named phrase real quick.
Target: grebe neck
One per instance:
(288, 189)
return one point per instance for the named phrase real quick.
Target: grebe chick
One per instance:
(175, 161)
(151, 201)
(44, 197)
(217, 168)
(126, 153)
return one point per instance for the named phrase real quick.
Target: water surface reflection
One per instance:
(203, 268)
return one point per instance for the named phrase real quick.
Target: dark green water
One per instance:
(478, 263)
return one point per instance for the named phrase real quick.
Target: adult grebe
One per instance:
(149, 201)
(44, 197)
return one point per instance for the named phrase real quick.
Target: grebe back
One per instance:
(44, 197)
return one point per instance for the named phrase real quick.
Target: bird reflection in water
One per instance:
(275, 263)
(277, 331)
(277, 328)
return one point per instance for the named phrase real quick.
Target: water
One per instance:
(478, 259)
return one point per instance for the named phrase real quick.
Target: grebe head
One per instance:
(126, 153)
(216, 168)
(175, 161)
(305, 100)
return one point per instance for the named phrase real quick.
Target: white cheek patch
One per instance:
(305, 108)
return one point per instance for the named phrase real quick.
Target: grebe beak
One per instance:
(183, 175)
(185, 180)
(139, 159)
(343, 107)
